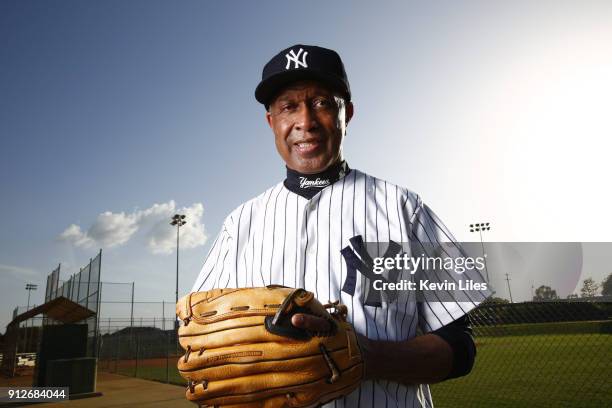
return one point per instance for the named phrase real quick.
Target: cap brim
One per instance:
(268, 88)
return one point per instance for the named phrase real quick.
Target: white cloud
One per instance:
(112, 229)
(162, 237)
(115, 229)
(74, 235)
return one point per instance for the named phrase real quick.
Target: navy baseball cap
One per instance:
(302, 62)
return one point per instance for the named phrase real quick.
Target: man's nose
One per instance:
(305, 119)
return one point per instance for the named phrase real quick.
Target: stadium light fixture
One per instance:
(480, 227)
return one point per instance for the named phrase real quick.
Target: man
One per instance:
(302, 232)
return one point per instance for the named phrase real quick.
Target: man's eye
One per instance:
(288, 107)
(322, 103)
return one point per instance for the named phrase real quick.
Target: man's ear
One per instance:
(269, 118)
(348, 111)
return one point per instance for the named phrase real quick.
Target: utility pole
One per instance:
(509, 291)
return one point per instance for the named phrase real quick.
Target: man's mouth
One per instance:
(308, 146)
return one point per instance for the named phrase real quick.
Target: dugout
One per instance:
(60, 310)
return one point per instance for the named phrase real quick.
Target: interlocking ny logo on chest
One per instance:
(295, 58)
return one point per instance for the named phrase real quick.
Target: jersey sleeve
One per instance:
(431, 238)
(218, 270)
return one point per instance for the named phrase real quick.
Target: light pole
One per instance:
(179, 221)
(29, 287)
(479, 227)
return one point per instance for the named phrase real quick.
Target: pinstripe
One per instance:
(305, 259)
(273, 232)
(387, 216)
(222, 268)
(340, 266)
(377, 382)
(221, 248)
(297, 234)
(329, 242)
(399, 331)
(229, 275)
(377, 249)
(253, 246)
(238, 240)
(316, 286)
(353, 297)
(284, 235)
(365, 198)
(263, 236)
(388, 240)
(341, 235)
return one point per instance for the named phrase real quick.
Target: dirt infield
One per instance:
(24, 380)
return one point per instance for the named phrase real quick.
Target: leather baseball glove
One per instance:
(243, 351)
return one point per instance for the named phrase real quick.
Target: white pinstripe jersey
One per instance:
(283, 238)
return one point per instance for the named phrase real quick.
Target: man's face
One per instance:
(309, 122)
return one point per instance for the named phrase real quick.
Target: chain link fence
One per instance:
(144, 350)
(536, 354)
(138, 338)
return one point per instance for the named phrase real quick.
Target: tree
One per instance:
(589, 288)
(495, 300)
(545, 293)
(606, 286)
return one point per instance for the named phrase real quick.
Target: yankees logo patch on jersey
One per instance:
(283, 238)
(305, 183)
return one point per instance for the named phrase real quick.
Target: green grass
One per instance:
(535, 371)
(156, 374)
(586, 327)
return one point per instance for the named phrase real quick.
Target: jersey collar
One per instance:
(308, 185)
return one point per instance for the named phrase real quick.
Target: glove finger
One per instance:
(205, 351)
(314, 364)
(279, 401)
(252, 330)
(298, 386)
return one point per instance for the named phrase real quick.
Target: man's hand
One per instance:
(314, 323)
(309, 322)
(424, 359)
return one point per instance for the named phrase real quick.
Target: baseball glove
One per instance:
(243, 351)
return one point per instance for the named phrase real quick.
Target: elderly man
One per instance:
(302, 232)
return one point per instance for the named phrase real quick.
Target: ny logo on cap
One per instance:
(295, 58)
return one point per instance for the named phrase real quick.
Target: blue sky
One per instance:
(494, 112)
